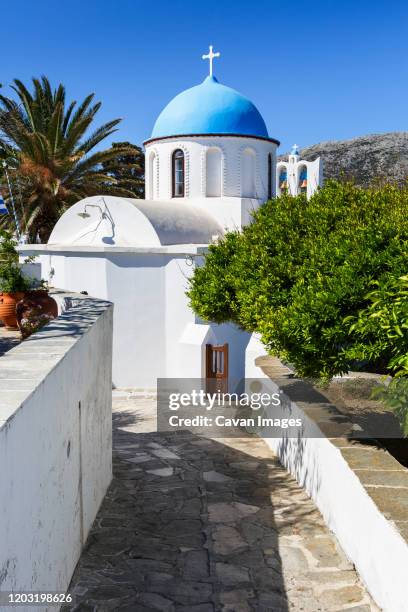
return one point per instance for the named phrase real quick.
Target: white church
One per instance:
(210, 163)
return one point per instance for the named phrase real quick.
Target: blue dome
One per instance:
(210, 108)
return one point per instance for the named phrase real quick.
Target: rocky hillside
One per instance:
(364, 159)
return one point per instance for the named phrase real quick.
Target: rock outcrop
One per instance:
(364, 159)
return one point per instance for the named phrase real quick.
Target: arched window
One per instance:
(178, 174)
(303, 179)
(213, 173)
(283, 179)
(248, 174)
(153, 175)
(269, 176)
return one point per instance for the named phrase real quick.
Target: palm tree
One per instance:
(52, 159)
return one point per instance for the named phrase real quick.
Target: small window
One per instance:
(178, 173)
(283, 180)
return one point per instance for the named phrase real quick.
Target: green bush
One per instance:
(380, 331)
(11, 278)
(395, 396)
(302, 268)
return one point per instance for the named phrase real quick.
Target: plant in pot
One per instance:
(35, 310)
(24, 302)
(13, 284)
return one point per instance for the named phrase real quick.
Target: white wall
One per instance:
(254, 349)
(187, 335)
(151, 307)
(195, 149)
(136, 285)
(214, 171)
(177, 313)
(237, 341)
(248, 173)
(152, 312)
(55, 446)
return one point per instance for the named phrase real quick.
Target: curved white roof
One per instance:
(112, 221)
(210, 108)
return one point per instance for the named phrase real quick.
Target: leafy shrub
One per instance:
(395, 396)
(12, 280)
(11, 277)
(302, 268)
(381, 330)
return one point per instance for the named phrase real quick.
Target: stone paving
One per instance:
(191, 524)
(8, 339)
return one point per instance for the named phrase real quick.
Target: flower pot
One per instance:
(35, 310)
(8, 303)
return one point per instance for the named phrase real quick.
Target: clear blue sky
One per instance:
(317, 70)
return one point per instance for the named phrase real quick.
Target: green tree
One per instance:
(302, 271)
(47, 144)
(127, 169)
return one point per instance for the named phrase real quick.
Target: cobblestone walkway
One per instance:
(197, 525)
(8, 339)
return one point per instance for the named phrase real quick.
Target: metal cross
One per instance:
(210, 56)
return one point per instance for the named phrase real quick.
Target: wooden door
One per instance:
(217, 368)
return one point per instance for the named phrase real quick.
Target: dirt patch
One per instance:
(354, 398)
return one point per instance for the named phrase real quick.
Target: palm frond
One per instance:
(100, 134)
(54, 156)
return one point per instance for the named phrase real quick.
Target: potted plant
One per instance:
(13, 284)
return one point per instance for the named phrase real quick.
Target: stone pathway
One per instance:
(197, 525)
(8, 339)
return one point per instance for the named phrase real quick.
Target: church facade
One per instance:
(210, 163)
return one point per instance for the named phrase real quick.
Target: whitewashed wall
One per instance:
(55, 446)
(196, 148)
(254, 349)
(151, 310)
(152, 317)
(225, 175)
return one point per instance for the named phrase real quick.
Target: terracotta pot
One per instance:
(34, 311)
(8, 303)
